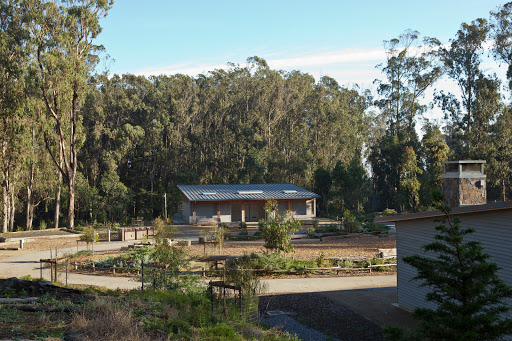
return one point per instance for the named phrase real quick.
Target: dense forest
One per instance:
(99, 148)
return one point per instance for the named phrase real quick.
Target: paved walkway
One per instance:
(28, 264)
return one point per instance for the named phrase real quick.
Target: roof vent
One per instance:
(291, 191)
(250, 192)
(209, 193)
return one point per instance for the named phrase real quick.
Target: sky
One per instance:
(341, 39)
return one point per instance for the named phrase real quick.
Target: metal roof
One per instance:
(504, 205)
(245, 192)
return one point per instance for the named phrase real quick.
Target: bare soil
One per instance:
(39, 244)
(355, 245)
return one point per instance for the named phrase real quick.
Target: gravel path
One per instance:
(289, 325)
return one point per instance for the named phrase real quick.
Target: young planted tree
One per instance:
(465, 285)
(276, 230)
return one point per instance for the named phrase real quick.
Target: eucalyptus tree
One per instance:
(66, 54)
(14, 54)
(499, 167)
(434, 150)
(411, 68)
(501, 37)
(462, 60)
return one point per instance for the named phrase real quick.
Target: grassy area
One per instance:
(185, 314)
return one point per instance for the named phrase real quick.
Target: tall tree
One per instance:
(409, 183)
(410, 69)
(434, 150)
(65, 56)
(462, 60)
(501, 37)
(500, 155)
(14, 55)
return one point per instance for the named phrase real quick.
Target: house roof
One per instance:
(505, 205)
(245, 192)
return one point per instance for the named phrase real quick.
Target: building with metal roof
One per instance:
(244, 202)
(492, 222)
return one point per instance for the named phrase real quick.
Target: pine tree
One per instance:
(465, 287)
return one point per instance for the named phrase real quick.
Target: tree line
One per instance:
(104, 148)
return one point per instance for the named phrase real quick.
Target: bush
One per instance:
(374, 227)
(269, 262)
(42, 225)
(277, 232)
(222, 332)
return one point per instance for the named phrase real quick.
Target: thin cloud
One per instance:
(347, 65)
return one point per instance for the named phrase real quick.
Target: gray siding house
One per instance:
(244, 202)
(492, 221)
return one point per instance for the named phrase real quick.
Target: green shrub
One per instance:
(42, 225)
(390, 211)
(276, 231)
(374, 227)
(269, 262)
(222, 332)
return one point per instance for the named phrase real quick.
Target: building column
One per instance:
(243, 212)
(193, 212)
(290, 215)
(218, 211)
(314, 207)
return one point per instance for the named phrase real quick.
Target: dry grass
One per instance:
(106, 319)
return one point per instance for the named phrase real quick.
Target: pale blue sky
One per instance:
(341, 39)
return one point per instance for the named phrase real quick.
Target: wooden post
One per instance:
(218, 211)
(243, 212)
(290, 209)
(193, 212)
(142, 271)
(40, 269)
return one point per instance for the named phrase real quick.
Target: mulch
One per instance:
(324, 315)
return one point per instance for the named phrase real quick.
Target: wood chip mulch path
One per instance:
(324, 315)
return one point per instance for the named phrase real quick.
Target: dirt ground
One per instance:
(38, 244)
(357, 245)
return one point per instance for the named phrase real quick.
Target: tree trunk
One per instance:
(30, 203)
(5, 207)
(71, 206)
(504, 189)
(56, 216)
(12, 210)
